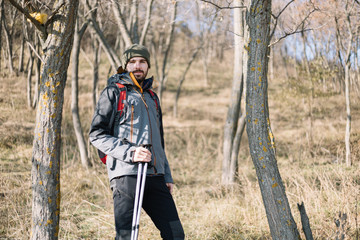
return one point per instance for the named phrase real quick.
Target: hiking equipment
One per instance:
(120, 108)
(139, 195)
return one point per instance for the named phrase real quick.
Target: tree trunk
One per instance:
(125, 33)
(347, 91)
(37, 74)
(21, 54)
(85, 161)
(262, 148)
(182, 79)
(348, 116)
(97, 54)
(9, 46)
(231, 127)
(2, 16)
(147, 21)
(29, 75)
(112, 56)
(168, 44)
(310, 96)
(45, 173)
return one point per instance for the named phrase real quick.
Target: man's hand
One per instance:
(170, 186)
(142, 155)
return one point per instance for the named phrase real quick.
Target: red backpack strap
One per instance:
(122, 97)
(120, 107)
(153, 95)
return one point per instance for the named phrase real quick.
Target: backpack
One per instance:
(120, 108)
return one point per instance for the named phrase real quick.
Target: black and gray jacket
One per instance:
(140, 123)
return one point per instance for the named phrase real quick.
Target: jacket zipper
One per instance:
(147, 110)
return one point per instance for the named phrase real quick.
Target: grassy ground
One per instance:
(314, 174)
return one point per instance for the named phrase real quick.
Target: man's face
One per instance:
(139, 67)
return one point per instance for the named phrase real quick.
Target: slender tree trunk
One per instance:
(9, 47)
(182, 79)
(97, 54)
(262, 148)
(37, 74)
(29, 75)
(85, 161)
(284, 60)
(45, 173)
(310, 96)
(125, 33)
(147, 21)
(168, 44)
(2, 16)
(231, 124)
(112, 56)
(348, 118)
(347, 94)
(22, 45)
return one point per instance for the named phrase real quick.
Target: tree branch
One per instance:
(37, 24)
(277, 18)
(36, 53)
(296, 30)
(228, 7)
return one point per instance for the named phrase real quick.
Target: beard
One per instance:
(139, 75)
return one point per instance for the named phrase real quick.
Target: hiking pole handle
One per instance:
(147, 146)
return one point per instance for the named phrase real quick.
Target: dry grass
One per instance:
(194, 148)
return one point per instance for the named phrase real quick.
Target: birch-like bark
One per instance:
(347, 92)
(231, 128)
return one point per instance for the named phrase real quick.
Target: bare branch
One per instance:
(289, 34)
(36, 53)
(37, 24)
(228, 7)
(296, 30)
(277, 18)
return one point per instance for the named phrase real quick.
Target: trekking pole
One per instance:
(139, 194)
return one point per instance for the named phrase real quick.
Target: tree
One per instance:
(345, 48)
(235, 120)
(85, 161)
(8, 25)
(261, 141)
(57, 39)
(164, 50)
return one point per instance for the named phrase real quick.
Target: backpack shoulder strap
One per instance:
(153, 95)
(122, 97)
(120, 108)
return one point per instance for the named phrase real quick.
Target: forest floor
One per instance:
(314, 173)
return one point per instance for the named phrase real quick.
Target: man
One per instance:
(121, 136)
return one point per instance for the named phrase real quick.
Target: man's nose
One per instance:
(137, 64)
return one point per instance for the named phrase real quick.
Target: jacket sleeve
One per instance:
(101, 127)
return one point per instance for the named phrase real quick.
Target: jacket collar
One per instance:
(125, 79)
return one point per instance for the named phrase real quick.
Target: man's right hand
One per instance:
(142, 155)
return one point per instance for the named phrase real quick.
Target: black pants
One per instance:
(157, 203)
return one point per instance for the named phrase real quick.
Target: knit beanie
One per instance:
(135, 50)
